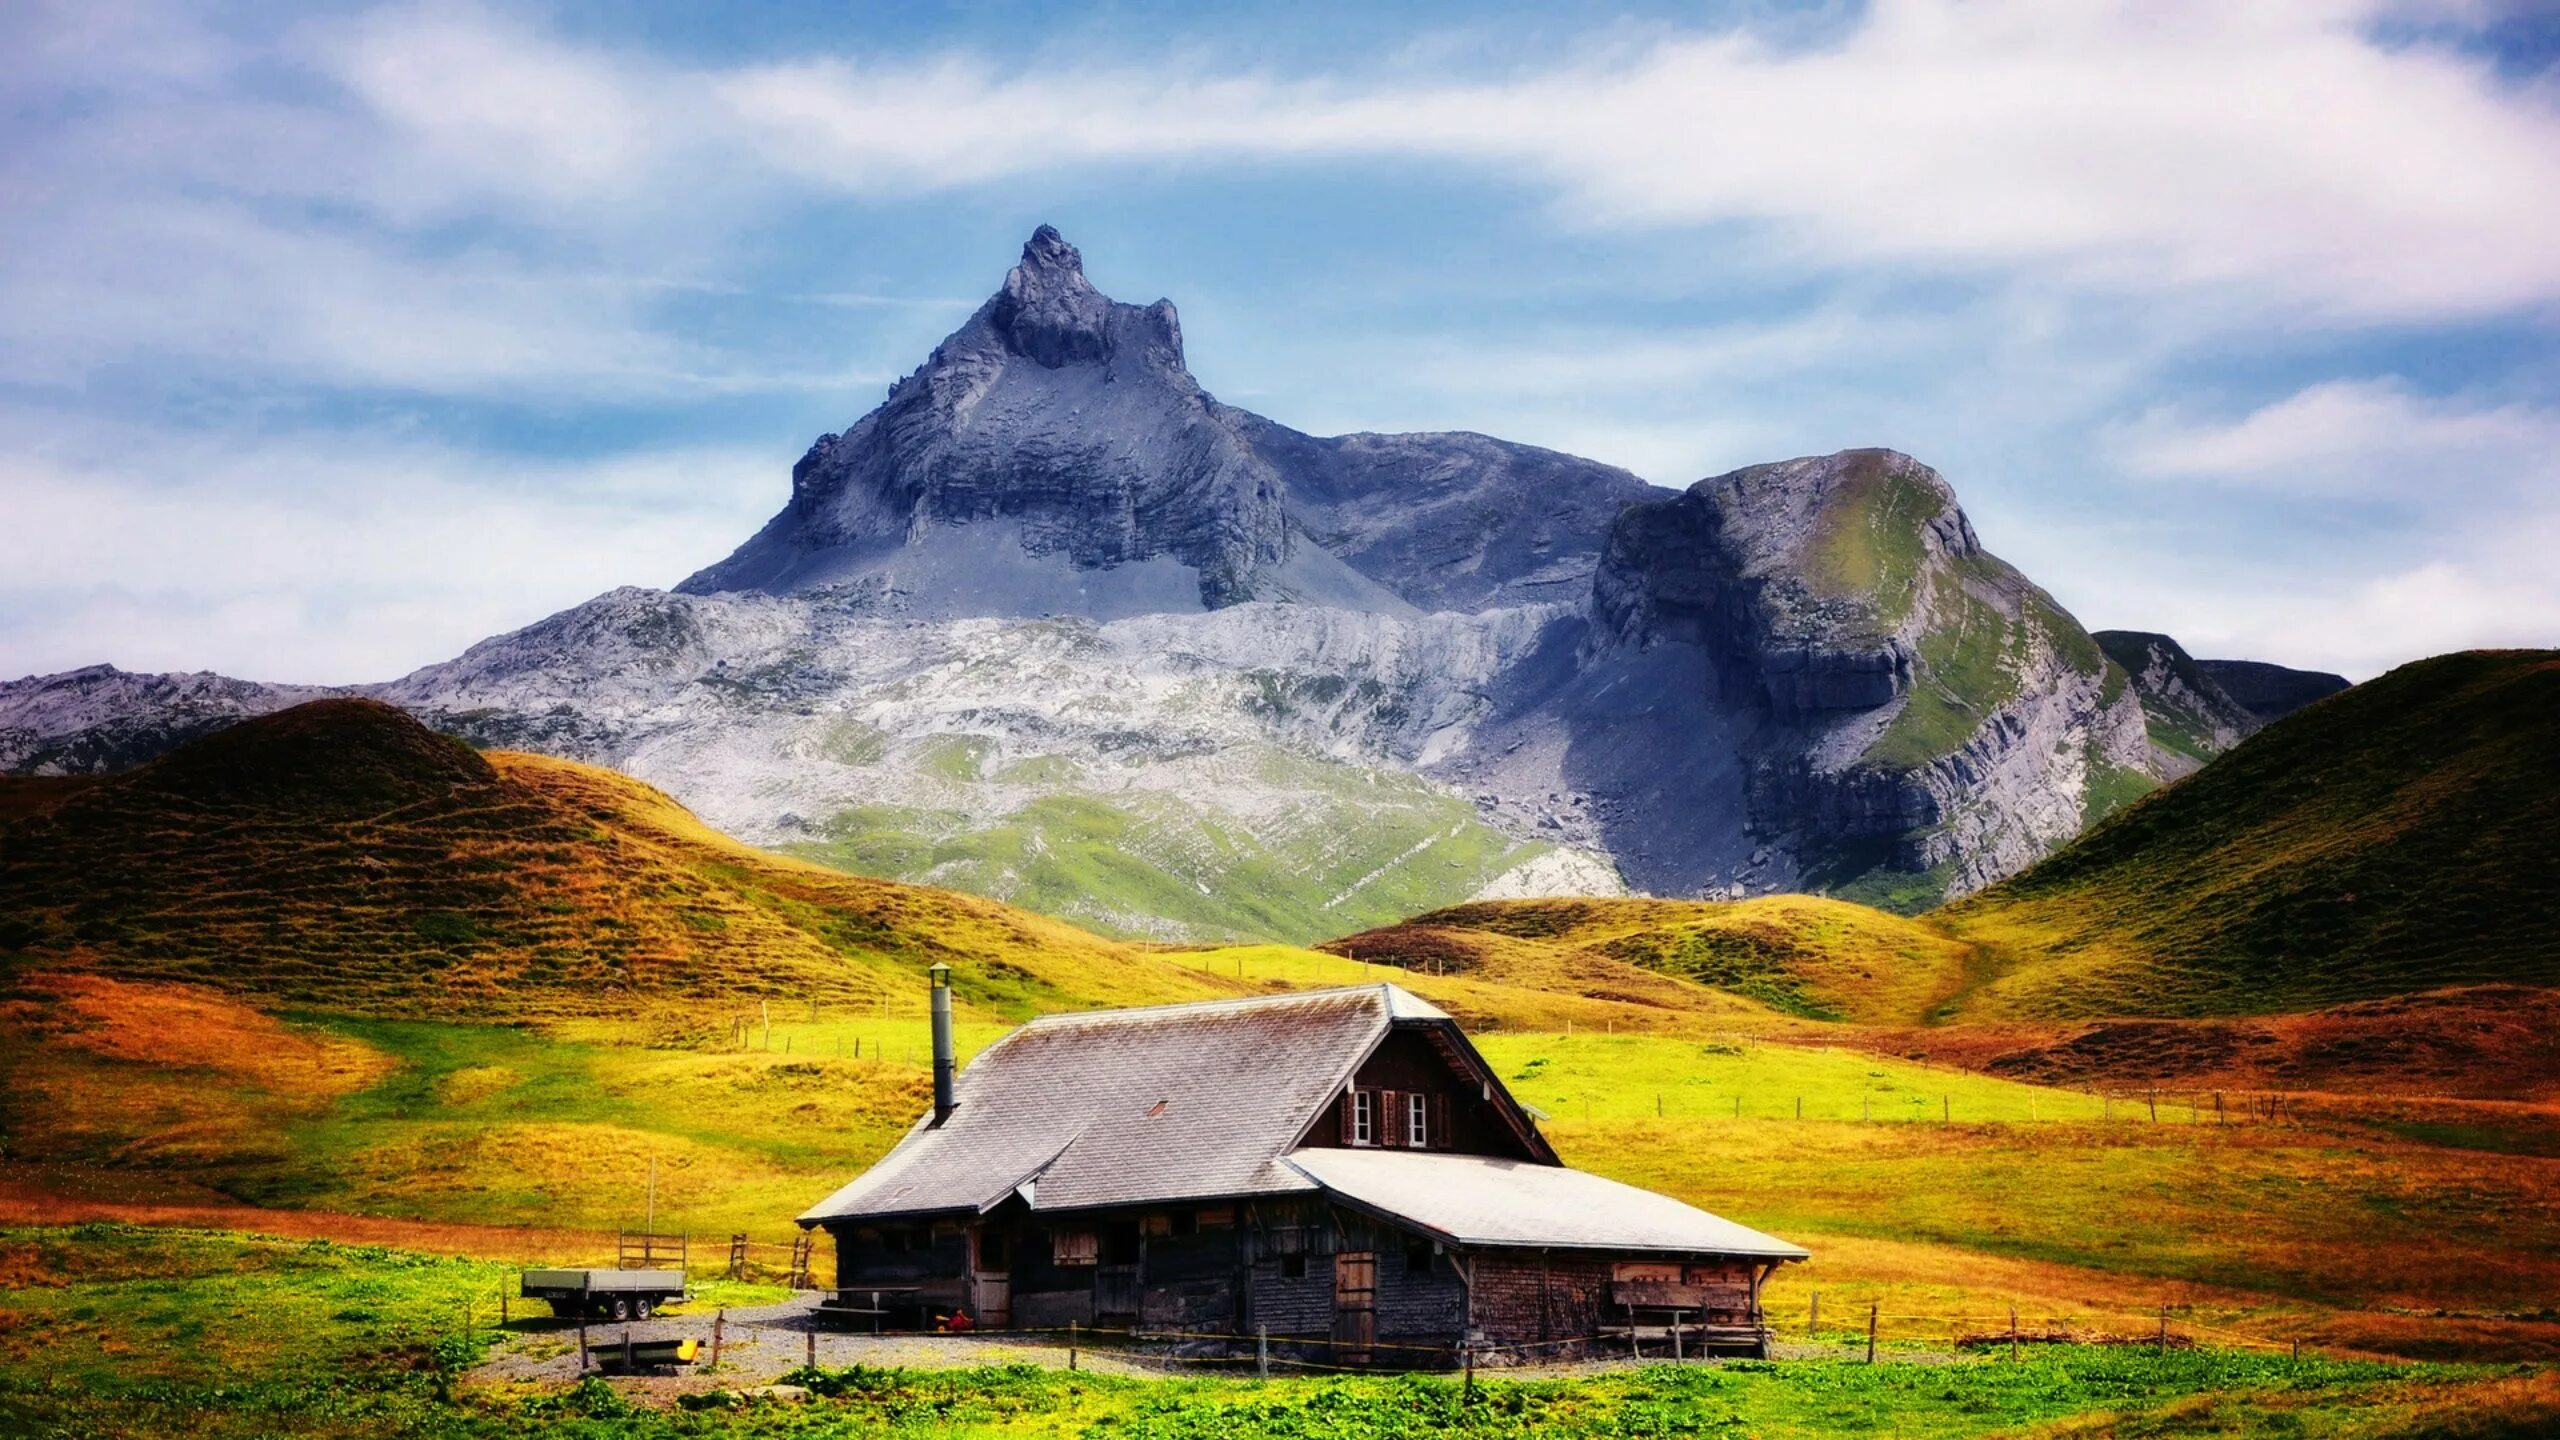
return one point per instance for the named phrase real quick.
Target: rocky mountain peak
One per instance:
(1050, 313)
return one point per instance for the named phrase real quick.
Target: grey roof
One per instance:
(1126, 1107)
(1483, 1200)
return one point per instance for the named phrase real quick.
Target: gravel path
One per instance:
(761, 1342)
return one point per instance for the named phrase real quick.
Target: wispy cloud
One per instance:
(2262, 149)
(2358, 438)
(332, 557)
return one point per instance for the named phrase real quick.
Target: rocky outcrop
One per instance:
(1066, 422)
(1920, 705)
(100, 718)
(2190, 717)
(2271, 692)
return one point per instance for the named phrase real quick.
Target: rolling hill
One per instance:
(341, 855)
(2393, 840)
(2396, 837)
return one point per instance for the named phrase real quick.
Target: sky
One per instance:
(333, 340)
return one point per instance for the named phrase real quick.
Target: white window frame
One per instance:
(1417, 1120)
(1364, 1117)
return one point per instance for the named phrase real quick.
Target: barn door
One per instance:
(1115, 1280)
(991, 1278)
(1355, 1305)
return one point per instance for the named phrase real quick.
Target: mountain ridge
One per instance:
(1052, 623)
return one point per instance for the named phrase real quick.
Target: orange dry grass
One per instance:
(28, 1199)
(2496, 1042)
(185, 1027)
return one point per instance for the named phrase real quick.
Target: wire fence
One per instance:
(1834, 1325)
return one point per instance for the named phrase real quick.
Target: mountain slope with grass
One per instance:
(341, 855)
(2395, 837)
(2393, 840)
(2189, 716)
(1798, 954)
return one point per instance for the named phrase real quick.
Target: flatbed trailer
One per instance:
(605, 1294)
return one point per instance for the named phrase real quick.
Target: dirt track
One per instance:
(761, 1342)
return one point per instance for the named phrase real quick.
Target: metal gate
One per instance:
(1355, 1305)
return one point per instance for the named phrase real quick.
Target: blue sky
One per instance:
(334, 340)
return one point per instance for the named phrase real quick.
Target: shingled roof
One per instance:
(1137, 1106)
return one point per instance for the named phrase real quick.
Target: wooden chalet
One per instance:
(1337, 1170)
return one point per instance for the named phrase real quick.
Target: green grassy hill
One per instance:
(1801, 955)
(2401, 836)
(341, 856)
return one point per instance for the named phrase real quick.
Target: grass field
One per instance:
(2418, 1228)
(112, 1330)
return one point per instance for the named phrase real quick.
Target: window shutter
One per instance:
(1439, 1121)
(1349, 1134)
(1390, 1118)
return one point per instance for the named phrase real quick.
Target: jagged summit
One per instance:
(1055, 455)
(1048, 311)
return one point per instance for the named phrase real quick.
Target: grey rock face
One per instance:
(2190, 717)
(99, 718)
(1911, 700)
(1054, 455)
(1068, 417)
(1450, 521)
(2271, 692)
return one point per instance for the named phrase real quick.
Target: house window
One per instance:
(1364, 1118)
(1417, 1120)
(1293, 1267)
(1417, 1257)
(1074, 1247)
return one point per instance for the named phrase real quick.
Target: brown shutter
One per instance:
(1390, 1123)
(1349, 1135)
(1439, 1121)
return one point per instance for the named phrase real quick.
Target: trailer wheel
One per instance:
(621, 1307)
(641, 1307)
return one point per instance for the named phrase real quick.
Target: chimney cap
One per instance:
(939, 971)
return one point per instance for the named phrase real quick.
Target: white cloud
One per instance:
(336, 557)
(2264, 149)
(2371, 438)
(2472, 489)
(2485, 591)
(295, 207)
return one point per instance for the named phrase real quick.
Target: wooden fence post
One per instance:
(2013, 1332)
(2164, 1329)
(582, 1342)
(1071, 1344)
(719, 1323)
(1467, 1394)
(1871, 1333)
(1813, 1326)
(813, 1346)
(1262, 1353)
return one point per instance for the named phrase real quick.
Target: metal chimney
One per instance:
(943, 1062)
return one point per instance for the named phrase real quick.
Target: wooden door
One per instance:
(991, 1279)
(1355, 1305)
(1115, 1280)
